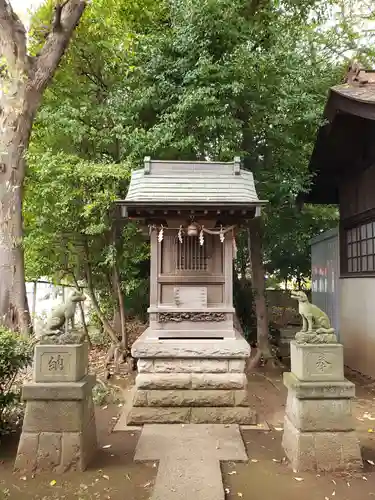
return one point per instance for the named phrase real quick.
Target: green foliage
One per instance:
(15, 355)
(287, 240)
(181, 79)
(68, 204)
(68, 212)
(103, 394)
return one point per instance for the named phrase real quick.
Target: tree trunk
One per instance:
(16, 117)
(82, 312)
(23, 79)
(90, 289)
(121, 302)
(33, 310)
(258, 283)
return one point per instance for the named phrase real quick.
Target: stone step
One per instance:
(186, 479)
(183, 398)
(199, 415)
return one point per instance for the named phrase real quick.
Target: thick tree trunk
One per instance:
(23, 79)
(258, 283)
(17, 111)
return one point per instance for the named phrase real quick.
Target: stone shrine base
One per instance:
(59, 431)
(319, 426)
(196, 381)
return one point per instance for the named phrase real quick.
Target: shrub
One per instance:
(15, 355)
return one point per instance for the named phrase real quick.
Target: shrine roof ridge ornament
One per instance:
(199, 183)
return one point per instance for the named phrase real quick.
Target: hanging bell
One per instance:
(192, 230)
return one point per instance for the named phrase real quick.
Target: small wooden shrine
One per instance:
(191, 359)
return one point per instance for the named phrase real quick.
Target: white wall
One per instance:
(357, 323)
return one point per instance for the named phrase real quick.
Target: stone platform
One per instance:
(197, 381)
(189, 458)
(319, 427)
(59, 431)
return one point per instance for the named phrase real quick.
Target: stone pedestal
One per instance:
(319, 430)
(59, 431)
(197, 381)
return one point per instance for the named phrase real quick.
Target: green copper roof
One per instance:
(192, 182)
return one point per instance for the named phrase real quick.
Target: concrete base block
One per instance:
(191, 398)
(321, 451)
(319, 414)
(60, 363)
(56, 451)
(181, 381)
(59, 433)
(148, 345)
(317, 362)
(164, 381)
(197, 415)
(167, 415)
(319, 390)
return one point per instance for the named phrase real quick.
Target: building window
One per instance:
(191, 255)
(360, 248)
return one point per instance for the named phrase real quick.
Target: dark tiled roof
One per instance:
(192, 182)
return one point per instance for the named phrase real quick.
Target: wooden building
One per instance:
(343, 164)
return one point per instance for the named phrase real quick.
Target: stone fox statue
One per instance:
(314, 319)
(64, 313)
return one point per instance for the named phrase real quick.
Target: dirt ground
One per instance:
(267, 475)
(114, 475)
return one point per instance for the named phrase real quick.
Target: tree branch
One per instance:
(56, 23)
(12, 37)
(67, 16)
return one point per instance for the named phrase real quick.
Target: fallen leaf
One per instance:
(370, 430)
(105, 477)
(231, 473)
(371, 462)
(106, 446)
(53, 482)
(298, 478)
